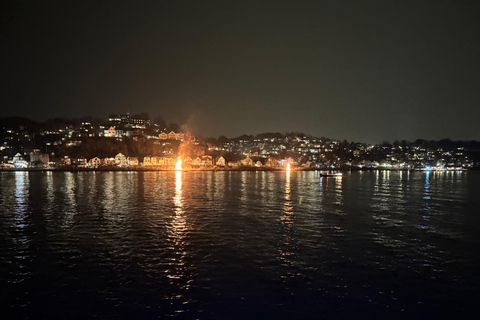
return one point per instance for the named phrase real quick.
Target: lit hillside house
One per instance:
(197, 162)
(95, 162)
(221, 161)
(207, 161)
(132, 134)
(120, 160)
(258, 164)
(66, 161)
(179, 136)
(110, 133)
(163, 136)
(171, 135)
(247, 162)
(132, 161)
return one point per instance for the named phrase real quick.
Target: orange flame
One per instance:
(288, 167)
(178, 167)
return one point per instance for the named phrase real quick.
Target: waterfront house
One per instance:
(234, 163)
(207, 161)
(161, 161)
(271, 163)
(17, 158)
(81, 162)
(120, 160)
(95, 162)
(36, 157)
(169, 161)
(197, 162)
(108, 161)
(146, 161)
(187, 162)
(221, 161)
(132, 161)
(247, 162)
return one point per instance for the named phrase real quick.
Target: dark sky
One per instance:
(359, 70)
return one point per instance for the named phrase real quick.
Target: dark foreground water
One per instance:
(239, 245)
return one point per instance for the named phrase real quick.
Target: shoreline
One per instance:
(242, 169)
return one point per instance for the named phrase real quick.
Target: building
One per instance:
(132, 161)
(207, 161)
(95, 162)
(156, 161)
(221, 161)
(197, 162)
(187, 162)
(271, 163)
(120, 160)
(17, 158)
(247, 162)
(163, 136)
(110, 133)
(81, 162)
(108, 161)
(36, 157)
(146, 161)
(169, 161)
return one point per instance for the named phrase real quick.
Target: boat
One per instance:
(330, 174)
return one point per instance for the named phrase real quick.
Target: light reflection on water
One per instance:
(22, 239)
(230, 244)
(287, 248)
(177, 269)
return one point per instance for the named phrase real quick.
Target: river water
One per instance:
(239, 245)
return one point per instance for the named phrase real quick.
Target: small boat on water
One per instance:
(330, 174)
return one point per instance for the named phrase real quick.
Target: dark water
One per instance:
(239, 245)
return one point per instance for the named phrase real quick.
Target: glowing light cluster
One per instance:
(178, 166)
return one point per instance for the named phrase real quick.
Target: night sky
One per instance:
(366, 71)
